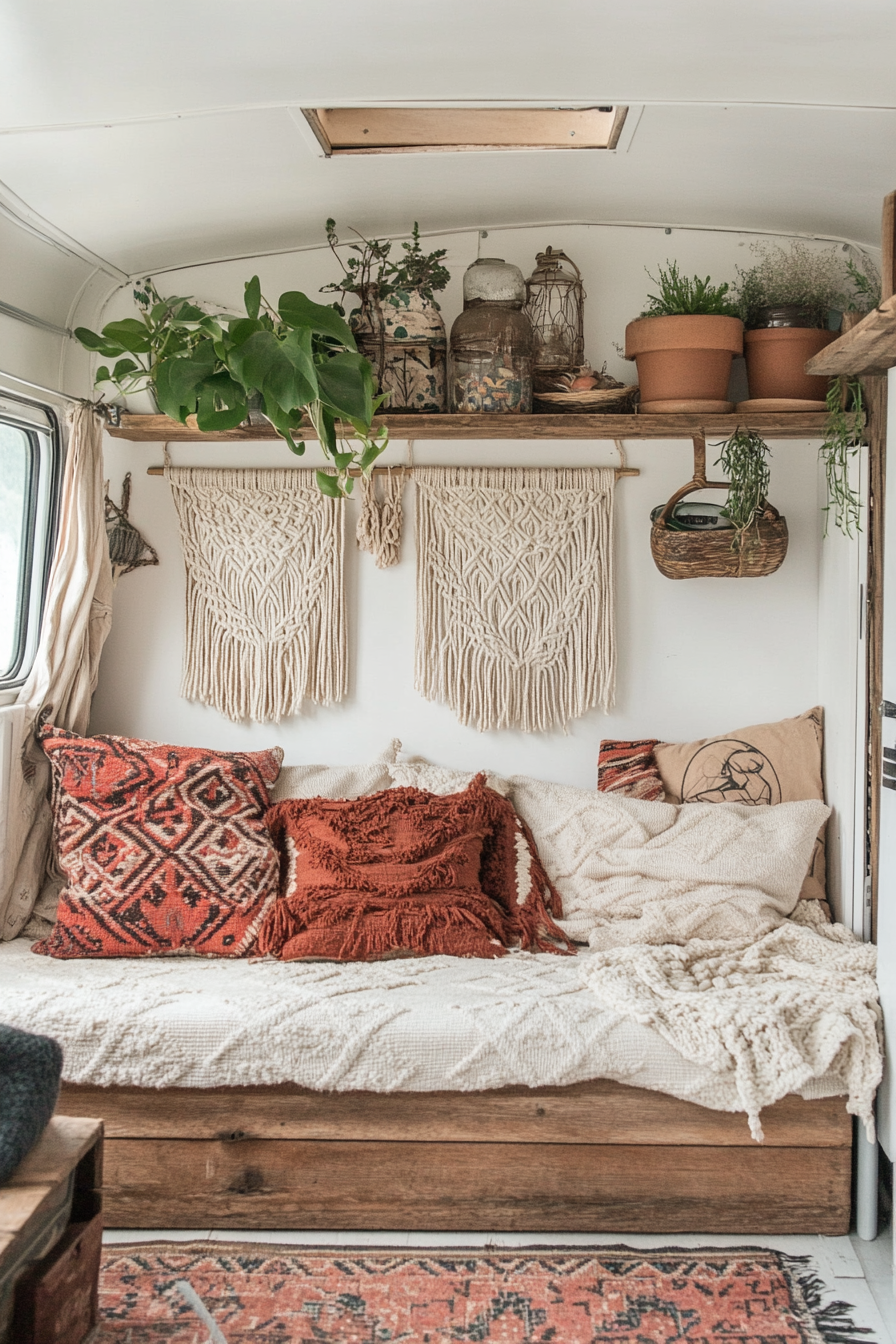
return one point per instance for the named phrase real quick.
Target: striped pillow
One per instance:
(630, 768)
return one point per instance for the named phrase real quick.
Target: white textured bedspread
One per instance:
(433, 1024)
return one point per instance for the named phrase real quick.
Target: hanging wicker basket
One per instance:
(718, 555)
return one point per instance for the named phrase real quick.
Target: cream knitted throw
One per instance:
(763, 1016)
(515, 625)
(265, 605)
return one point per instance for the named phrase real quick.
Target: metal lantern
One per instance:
(555, 306)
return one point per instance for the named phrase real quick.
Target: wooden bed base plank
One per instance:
(599, 1112)
(475, 1186)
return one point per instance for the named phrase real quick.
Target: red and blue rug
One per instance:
(610, 1295)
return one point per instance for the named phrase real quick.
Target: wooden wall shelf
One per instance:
(159, 429)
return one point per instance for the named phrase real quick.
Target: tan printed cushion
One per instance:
(766, 764)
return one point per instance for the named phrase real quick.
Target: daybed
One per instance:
(504, 1090)
(206, 1076)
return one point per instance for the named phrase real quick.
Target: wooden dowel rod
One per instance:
(380, 471)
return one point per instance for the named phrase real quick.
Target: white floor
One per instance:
(857, 1272)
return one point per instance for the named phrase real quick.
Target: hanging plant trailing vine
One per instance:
(843, 437)
(743, 459)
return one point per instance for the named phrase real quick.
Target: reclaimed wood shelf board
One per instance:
(780, 425)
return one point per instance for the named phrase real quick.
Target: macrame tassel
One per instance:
(265, 603)
(515, 603)
(379, 525)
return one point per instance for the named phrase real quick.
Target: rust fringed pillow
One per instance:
(405, 872)
(630, 768)
(164, 848)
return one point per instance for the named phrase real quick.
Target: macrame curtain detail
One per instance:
(265, 605)
(380, 519)
(515, 608)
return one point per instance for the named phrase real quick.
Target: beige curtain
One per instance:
(76, 620)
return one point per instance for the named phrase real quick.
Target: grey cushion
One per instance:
(30, 1069)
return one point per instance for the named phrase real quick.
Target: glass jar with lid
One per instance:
(490, 349)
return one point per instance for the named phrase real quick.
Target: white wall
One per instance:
(695, 657)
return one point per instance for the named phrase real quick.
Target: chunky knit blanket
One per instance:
(764, 1017)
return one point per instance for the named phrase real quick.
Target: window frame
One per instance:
(43, 484)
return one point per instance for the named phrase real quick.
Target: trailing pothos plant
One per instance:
(843, 436)
(744, 460)
(297, 359)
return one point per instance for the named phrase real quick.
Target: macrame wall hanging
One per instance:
(380, 519)
(265, 610)
(515, 609)
(128, 549)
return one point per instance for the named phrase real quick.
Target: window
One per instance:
(428, 130)
(29, 476)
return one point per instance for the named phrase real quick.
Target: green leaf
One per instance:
(328, 485)
(370, 455)
(91, 341)
(346, 385)
(253, 296)
(327, 431)
(297, 448)
(122, 368)
(222, 403)
(178, 380)
(348, 485)
(188, 312)
(102, 375)
(243, 327)
(130, 334)
(297, 310)
(343, 460)
(282, 369)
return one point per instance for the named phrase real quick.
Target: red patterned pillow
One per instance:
(164, 849)
(630, 768)
(405, 872)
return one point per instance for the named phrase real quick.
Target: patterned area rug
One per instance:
(291, 1295)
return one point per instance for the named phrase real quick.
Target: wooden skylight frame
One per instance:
(447, 130)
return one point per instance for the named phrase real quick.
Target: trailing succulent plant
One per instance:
(743, 458)
(842, 439)
(297, 359)
(681, 296)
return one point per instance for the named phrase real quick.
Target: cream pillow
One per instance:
(419, 774)
(636, 872)
(767, 763)
(330, 781)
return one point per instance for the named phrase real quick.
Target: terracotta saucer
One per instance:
(780, 404)
(684, 407)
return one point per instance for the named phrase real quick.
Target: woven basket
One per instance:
(711, 555)
(597, 401)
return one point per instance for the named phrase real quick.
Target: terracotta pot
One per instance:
(776, 361)
(686, 357)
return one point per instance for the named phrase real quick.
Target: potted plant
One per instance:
(785, 300)
(297, 359)
(865, 280)
(398, 325)
(684, 343)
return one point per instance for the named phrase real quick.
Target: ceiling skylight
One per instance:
(433, 130)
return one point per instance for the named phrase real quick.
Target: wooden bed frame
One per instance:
(593, 1157)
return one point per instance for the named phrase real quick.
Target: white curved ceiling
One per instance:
(165, 134)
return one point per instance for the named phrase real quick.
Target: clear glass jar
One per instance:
(490, 350)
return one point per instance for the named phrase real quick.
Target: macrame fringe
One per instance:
(515, 600)
(380, 521)
(265, 604)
